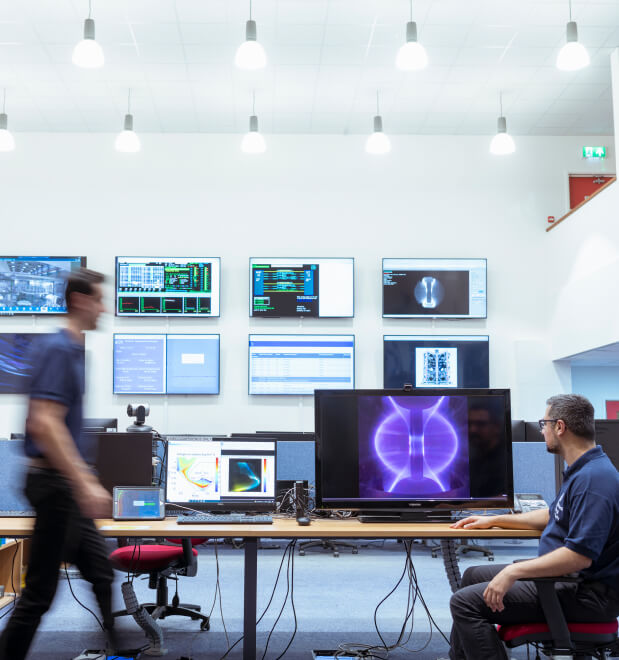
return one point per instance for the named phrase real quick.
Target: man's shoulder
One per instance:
(599, 477)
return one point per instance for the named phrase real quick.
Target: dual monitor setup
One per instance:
(388, 454)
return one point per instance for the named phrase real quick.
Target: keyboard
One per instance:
(224, 519)
(18, 513)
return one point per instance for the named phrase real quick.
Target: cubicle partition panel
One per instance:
(13, 466)
(534, 469)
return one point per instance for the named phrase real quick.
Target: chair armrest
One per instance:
(189, 559)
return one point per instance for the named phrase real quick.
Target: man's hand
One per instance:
(474, 522)
(94, 501)
(500, 584)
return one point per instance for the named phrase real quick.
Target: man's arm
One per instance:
(46, 424)
(561, 561)
(537, 519)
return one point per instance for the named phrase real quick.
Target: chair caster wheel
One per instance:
(205, 625)
(302, 553)
(355, 551)
(336, 554)
(490, 558)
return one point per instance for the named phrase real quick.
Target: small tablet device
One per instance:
(138, 503)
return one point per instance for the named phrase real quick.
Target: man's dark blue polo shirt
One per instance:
(584, 516)
(58, 375)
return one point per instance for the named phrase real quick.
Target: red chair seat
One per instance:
(516, 634)
(146, 558)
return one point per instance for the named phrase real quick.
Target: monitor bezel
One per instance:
(438, 338)
(292, 334)
(83, 263)
(300, 316)
(419, 504)
(433, 316)
(165, 315)
(166, 334)
(263, 507)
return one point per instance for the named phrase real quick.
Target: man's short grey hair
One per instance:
(576, 411)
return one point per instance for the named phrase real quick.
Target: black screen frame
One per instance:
(395, 506)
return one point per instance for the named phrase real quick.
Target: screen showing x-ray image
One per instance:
(434, 287)
(436, 367)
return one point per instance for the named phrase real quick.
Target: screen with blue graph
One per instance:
(224, 475)
(390, 448)
(166, 364)
(35, 285)
(17, 350)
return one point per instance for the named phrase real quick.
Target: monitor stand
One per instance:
(418, 516)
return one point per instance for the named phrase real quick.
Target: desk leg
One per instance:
(250, 598)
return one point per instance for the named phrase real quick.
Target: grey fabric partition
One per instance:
(12, 476)
(534, 469)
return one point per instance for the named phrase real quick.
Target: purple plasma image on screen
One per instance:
(413, 447)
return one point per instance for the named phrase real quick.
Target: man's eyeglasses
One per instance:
(543, 422)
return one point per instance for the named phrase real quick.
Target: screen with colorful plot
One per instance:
(221, 475)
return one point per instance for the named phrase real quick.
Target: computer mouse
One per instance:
(303, 520)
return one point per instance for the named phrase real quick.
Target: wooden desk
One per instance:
(281, 528)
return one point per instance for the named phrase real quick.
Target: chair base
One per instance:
(163, 611)
(328, 544)
(465, 548)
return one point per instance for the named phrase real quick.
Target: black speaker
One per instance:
(300, 499)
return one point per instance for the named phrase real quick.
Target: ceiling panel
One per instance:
(327, 59)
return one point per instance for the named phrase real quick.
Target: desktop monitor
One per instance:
(16, 357)
(413, 454)
(221, 475)
(166, 364)
(35, 285)
(318, 287)
(300, 364)
(167, 286)
(607, 436)
(123, 459)
(100, 424)
(422, 288)
(427, 361)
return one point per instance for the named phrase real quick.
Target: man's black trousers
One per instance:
(60, 534)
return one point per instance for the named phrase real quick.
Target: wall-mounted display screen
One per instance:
(16, 355)
(167, 286)
(166, 364)
(435, 360)
(454, 288)
(35, 285)
(301, 287)
(300, 364)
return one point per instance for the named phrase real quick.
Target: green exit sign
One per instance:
(594, 152)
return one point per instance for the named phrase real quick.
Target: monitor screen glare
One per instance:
(166, 364)
(428, 361)
(221, 474)
(454, 288)
(300, 287)
(300, 364)
(388, 449)
(167, 286)
(35, 285)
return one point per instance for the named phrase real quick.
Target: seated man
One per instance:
(580, 534)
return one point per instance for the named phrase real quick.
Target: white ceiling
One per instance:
(326, 59)
(604, 356)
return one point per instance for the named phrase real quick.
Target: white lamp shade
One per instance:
(127, 142)
(502, 144)
(572, 57)
(250, 55)
(378, 143)
(412, 56)
(7, 142)
(253, 143)
(88, 54)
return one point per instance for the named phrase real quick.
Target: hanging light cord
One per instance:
(89, 8)
(377, 108)
(253, 103)
(570, 3)
(501, 101)
(129, 102)
(4, 102)
(250, 10)
(411, 11)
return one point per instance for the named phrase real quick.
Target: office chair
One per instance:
(556, 636)
(328, 544)
(162, 562)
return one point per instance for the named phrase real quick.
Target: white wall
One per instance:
(308, 195)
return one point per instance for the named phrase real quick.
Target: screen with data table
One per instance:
(300, 364)
(166, 364)
(167, 286)
(317, 287)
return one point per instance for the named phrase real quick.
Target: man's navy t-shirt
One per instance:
(584, 517)
(58, 375)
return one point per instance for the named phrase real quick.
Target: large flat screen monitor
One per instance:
(301, 287)
(221, 475)
(35, 285)
(123, 459)
(429, 361)
(167, 286)
(300, 364)
(394, 453)
(451, 288)
(17, 351)
(166, 364)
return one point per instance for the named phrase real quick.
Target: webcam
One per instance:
(140, 411)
